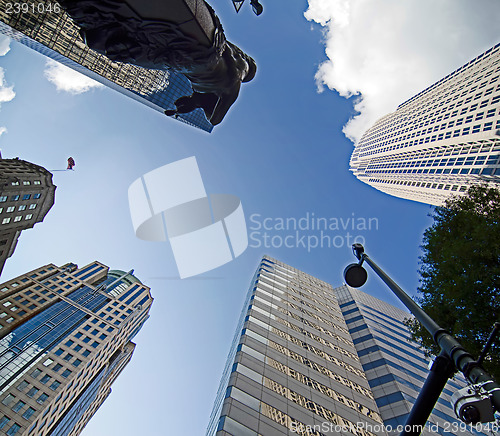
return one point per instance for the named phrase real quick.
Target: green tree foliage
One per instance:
(460, 273)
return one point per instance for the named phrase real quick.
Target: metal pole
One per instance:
(441, 370)
(450, 347)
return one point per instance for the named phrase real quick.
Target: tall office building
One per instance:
(65, 336)
(301, 363)
(26, 196)
(439, 142)
(394, 366)
(43, 26)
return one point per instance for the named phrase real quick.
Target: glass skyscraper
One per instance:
(47, 29)
(65, 335)
(439, 142)
(309, 359)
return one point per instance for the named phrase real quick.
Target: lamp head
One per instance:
(355, 275)
(358, 250)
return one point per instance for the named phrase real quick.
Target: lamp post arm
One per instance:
(429, 324)
(463, 361)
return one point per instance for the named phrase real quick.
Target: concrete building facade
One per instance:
(65, 335)
(26, 195)
(293, 368)
(439, 142)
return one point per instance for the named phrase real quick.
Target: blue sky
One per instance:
(281, 149)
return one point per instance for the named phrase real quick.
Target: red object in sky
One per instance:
(71, 163)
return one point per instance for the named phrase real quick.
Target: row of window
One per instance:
(370, 140)
(295, 290)
(472, 66)
(4, 198)
(13, 429)
(20, 208)
(26, 182)
(17, 218)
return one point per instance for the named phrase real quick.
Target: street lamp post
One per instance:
(452, 357)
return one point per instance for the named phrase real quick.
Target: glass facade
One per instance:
(51, 32)
(59, 358)
(439, 142)
(308, 359)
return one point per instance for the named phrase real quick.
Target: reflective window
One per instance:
(32, 392)
(18, 406)
(41, 399)
(28, 413)
(4, 420)
(55, 385)
(22, 386)
(13, 430)
(8, 399)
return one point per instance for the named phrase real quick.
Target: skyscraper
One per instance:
(439, 142)
(43, 26)
(292, 364)
(301, 363)
(26, 196)
(394, 366)
(65, 335)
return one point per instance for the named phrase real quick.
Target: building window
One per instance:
(32, 392)
(4, 421)
(36, 373)
(48, 362)
(3, 198)
(14, 198)
(33, 206)
(18, 218)
(57, 367)
(22, 385)
(26, 182)
(13, 430)
(8, 399)
(26, 196)
(15, 183)
(55, 385)
(6, 221)
(41, 399)
(19, 405)
(77, 362)
(28, 216)
(66, 373)
(45, 379)
(11, 209)
(28, 413)
(35, 196)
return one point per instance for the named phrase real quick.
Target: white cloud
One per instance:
(386, 51)
(6, 92)
(3, 130)
(4, 45)
(67, 79)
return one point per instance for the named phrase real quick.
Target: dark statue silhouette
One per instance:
(181, 35)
